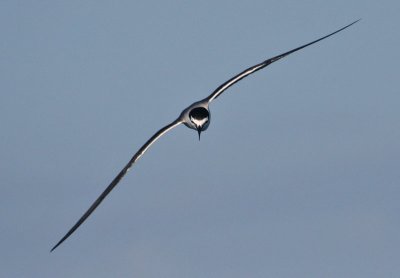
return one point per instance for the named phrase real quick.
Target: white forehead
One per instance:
(199, 122)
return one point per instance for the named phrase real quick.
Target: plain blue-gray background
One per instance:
(297, 176)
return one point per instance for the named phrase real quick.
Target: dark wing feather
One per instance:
(263, 64)
(116, 180)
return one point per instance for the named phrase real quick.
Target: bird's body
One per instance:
(197, 116)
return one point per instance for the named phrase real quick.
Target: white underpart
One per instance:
(199, 122)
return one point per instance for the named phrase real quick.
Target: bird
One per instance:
(197, 116)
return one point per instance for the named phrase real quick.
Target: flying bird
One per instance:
(197, 116)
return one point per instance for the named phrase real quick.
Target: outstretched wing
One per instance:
(116, 180)
(261, 65)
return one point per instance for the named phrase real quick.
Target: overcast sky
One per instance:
(297, 176)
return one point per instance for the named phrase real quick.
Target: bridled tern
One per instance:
(196, 116)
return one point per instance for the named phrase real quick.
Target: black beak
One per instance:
(199, 131)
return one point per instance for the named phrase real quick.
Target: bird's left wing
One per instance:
(121, 174)
(263, 64)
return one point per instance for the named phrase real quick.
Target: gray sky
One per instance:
(297, 175)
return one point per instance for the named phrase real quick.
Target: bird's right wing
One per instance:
(121, 174)
(263, 64)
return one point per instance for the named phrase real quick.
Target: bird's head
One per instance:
(200, 119)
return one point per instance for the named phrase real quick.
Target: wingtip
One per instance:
(59, 243)
(354, 22)
(55, 246)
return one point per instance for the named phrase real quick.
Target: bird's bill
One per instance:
(199, 131)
